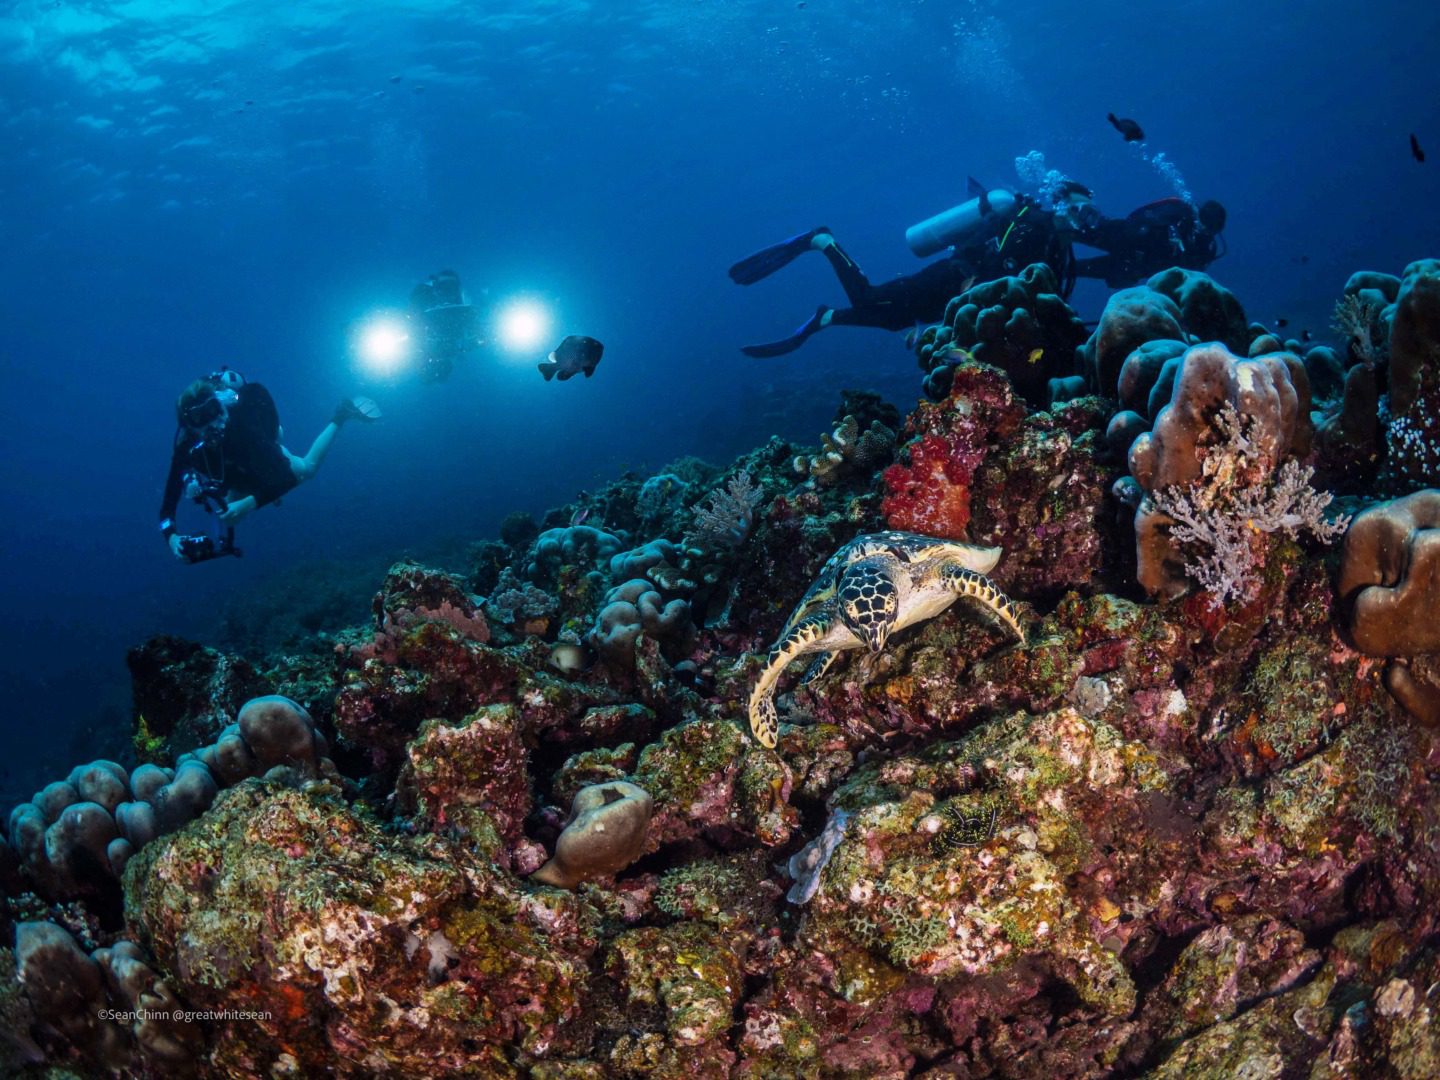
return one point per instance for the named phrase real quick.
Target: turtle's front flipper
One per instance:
(965, 582)
(818, 667)
(764, 723)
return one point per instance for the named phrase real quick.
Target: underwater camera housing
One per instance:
(200, 548)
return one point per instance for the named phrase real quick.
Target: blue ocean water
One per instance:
(185, 185)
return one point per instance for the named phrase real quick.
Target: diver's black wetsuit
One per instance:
(248, 459)
(921, 297)
(1153, 238)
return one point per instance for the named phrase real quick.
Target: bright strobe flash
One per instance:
(383, 344)
(522, 325)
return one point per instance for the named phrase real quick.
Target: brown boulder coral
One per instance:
(1390, 575)
(606, 833)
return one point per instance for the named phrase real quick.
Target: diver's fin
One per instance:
(765, 262)
(789, 344)
(979, 191)
(363, 409)
(548, 369)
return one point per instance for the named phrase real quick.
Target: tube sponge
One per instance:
(605, 834)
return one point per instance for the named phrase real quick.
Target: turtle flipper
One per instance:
(965, 582)
(869, 603)
(818, 667)
(764, 723)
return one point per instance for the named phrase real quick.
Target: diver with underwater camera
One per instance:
(227, 457)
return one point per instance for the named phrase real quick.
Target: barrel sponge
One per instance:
(1415, 334)
(1390, 575)
(606, 833)
(279, 732)
(1130, 319)
(1208, 310)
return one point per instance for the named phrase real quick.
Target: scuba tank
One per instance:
(960, 225)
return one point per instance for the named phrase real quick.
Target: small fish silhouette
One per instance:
(1129, 128)
(1415, 151)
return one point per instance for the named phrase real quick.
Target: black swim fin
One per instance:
(978, 190)
(765, 262)
(789, 344)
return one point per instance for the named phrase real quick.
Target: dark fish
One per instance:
(1304, 335)
(979, 191)
(1415, 151)
(1129, 128)
(575, 354)
(1282, 323)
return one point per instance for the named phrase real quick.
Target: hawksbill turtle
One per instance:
(874, 585)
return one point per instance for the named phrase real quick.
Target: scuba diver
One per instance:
(445, 324)
(1157, 236)
(228, 457)
(994, 234)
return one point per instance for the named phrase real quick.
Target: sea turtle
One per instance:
(874, 585)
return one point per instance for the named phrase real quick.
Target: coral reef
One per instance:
(1186, 828)
(847, 452)
(1018, 324)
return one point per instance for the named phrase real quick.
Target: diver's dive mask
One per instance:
(1077, 215)
(210, 414)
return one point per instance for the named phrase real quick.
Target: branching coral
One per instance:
(1228, 527)
(1186, 449)
(1357, 318)
(726, 517)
